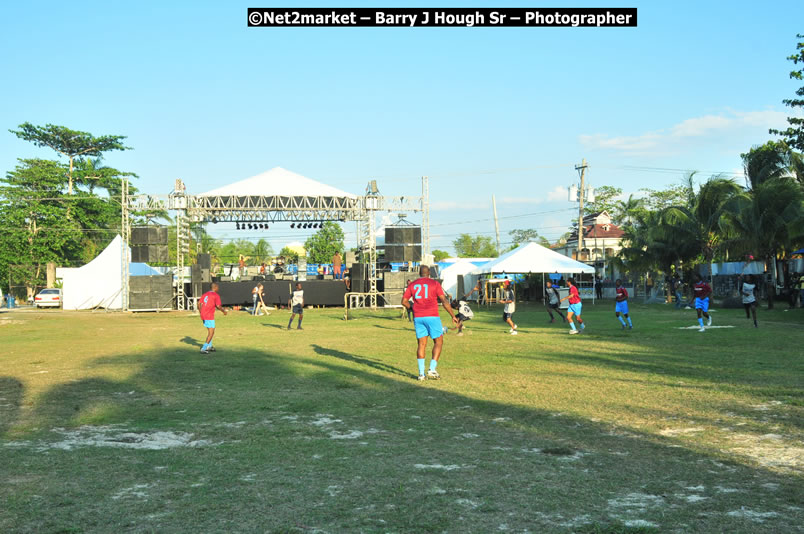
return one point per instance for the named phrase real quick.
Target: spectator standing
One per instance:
(337, 266)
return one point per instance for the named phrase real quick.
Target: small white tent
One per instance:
(98, 283)
(449, 276)
(533, 258)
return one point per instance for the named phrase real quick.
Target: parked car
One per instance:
(48, 297)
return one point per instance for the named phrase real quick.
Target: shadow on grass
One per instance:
(375, 364)
(191, 341)
(11, 394)
(495, 450)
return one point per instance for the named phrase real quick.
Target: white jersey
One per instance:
(465, 310)
(298, 297)
(511, 306)
(748, 293)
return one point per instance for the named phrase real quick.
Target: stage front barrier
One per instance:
(385, 300)
(277, 293)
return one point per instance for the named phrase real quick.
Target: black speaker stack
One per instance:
(403, 243)
(149, 244)
(150, 292)
(200, 273)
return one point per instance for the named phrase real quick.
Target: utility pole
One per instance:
(496, 223)
(582, 171)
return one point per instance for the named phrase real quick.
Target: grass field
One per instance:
(116, 423)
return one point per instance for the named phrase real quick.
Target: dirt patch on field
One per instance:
(113, 436)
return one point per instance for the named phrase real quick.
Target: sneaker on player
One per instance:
(211, 349)
(623, 327)
(513, 332)
(630, 327)
(573, 332)
(204, 351)
(515, 327)
(702, 329)
(709, 321)
(422, 378)
(433, 375)
(299, 328)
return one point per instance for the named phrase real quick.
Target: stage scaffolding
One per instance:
(194, 209)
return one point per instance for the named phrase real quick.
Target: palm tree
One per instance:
(699, 226)
(262, 252)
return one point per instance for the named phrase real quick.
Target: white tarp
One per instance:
(277, 182)
(98, 283)
(533, 258)
(449, 276)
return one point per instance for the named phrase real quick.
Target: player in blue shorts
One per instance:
(575, 306)
(423, 295)
(701, 290)
(621, 306)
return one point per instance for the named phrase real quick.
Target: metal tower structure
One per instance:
(125, 233)
(425, 215)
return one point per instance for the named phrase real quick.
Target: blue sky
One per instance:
(482, 111)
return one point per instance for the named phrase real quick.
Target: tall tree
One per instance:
(700, 224)
(262, 252)
(322, 245)
(35, 230)
(467, 246)
(794, 133)
(439, 255)
(766, 162)
(69, 143)
(605, 200)
(289, 254)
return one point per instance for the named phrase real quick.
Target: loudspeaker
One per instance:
(402, 253)
(195, 274)
(397, 280)
(204, 260)
(358, 271)
(270, 277)
(149, 235)
(205, 275)
(403, 235)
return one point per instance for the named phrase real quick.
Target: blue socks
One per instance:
(700, 321)
(621, 320)
(629, 322)
(421, 366)
(205, 346)
(583, 326)
(572, 325)
(433, 364)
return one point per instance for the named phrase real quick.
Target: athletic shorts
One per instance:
(621, 307)
(507, 316)
(298, 309)
(553, 305)
(702, 304)
(428, 326)
(209, 323)
(461, 317)
(575, 308)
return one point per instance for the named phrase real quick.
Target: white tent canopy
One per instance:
(449, 276)
(277, 182)
(533, 258)
(98, 283)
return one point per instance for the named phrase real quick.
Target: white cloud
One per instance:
(557, 194)
(687, 130)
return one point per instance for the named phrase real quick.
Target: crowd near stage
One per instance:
(277, 293)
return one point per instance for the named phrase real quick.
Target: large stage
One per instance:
(316, 292)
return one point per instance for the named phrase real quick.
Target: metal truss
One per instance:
(198, 209)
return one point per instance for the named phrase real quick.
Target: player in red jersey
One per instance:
(423, 295)
(621, 305)
(575, 306)
(210, 301)
(701, 290)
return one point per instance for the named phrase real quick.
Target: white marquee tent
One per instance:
(277, 182)
(449, 276)
(533, 258)
(99, 283)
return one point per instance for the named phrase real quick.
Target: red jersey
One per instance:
(574, 298)
(209, 300)
(701, 290)
(622, 292)
(425, 293)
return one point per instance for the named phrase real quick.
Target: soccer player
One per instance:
(621, 305)
(575, 306)
(749, 299)
(296, 303)
(210, 301)
(701, 290)
(464, 314)
(479, 288)
(510, 307)
(553, 299)
(423, 296)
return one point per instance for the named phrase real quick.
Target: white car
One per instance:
(48, 297)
